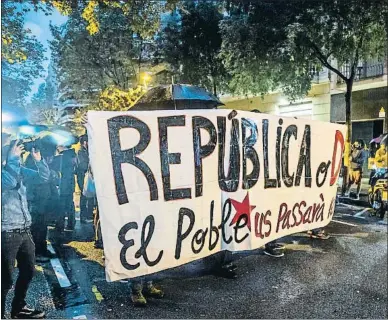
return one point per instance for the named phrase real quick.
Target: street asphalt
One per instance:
(342, 277)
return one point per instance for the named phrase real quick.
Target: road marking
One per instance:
(359, 214)
(50, 248)
(80, 317)
(346, 223)
(60, 273)
(352, 235)
(97, 293)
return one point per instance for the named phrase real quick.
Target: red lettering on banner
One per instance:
(339, 138)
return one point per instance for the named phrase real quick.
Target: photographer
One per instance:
(40, 198)
(16, 237)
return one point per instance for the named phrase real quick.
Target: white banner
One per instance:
(176, 186)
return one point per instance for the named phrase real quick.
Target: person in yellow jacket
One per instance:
(381, 157)
(357, 160)
(381, 161)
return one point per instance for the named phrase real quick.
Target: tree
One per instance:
(21, 57)
(301, 34)
(39, 98)
(111, 99)
(191, 43)
(255, 49)
(87, 64)
(46, 116)
(114, 99)
(41, 109)
(142, 15)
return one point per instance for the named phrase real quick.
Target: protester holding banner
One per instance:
(232, 181)
(221, 265)
(142, 289)
(86, 204)
(68, 164)
(98, 243)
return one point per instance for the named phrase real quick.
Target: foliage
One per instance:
(18, 45)
(21, 57)
(348, 31)
(111, 99)
(39, 98)
(191, 42)
(275, 44)
(115, 99)
(41, 109)
(142, 15)
(87, 64)
(46, 116)
(76, 126)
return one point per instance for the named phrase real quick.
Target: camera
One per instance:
(29, 144)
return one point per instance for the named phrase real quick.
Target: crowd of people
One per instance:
(358, 157)
(40, 187)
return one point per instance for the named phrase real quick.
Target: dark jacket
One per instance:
(41, 193)
(68, 165)
(83, 161)
(14, 179)
(358, 159)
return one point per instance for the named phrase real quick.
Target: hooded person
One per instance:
(86, 204)
(68, 164)
(40, 197)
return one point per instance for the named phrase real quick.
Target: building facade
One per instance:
(326, 100)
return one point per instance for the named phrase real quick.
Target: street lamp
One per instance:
(146, 79)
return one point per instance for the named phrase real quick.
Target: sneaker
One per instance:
(42, 259)
(273, 252)
(280, 246)
(28, 313)
(153, 292)
(347, 194)
(59, 229)
(138, 299)
(357, 197)
(224, 272)
(231, 266)
(322, 236)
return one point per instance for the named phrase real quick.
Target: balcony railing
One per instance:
(365, 70)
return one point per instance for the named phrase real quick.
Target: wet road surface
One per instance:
(343, 277)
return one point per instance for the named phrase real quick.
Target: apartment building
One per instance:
(326, 100)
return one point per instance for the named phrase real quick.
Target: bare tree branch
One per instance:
(325, 62)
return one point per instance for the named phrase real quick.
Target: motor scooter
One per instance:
(378, 195)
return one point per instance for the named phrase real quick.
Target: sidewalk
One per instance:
(364, 186)
(363, 201)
